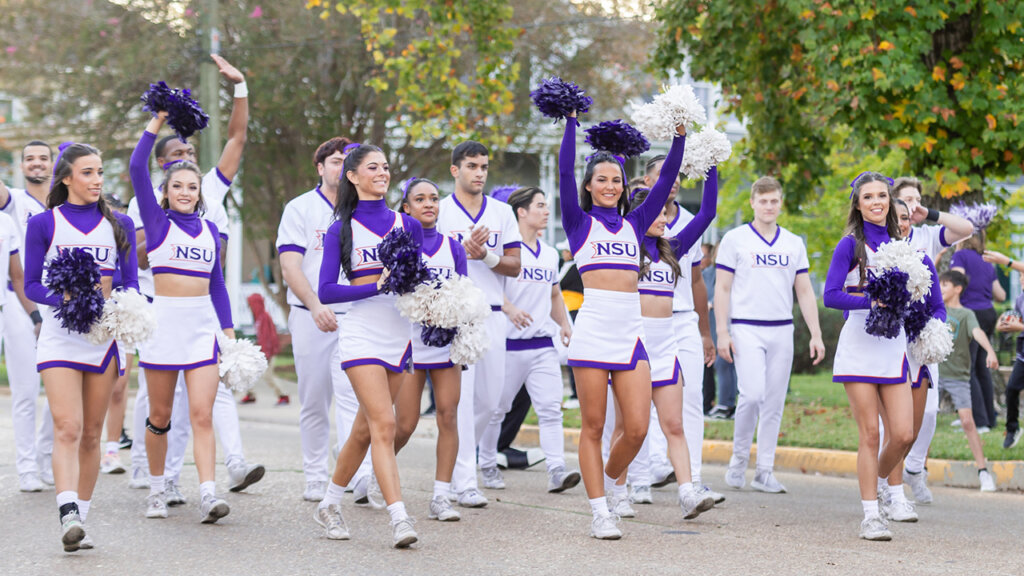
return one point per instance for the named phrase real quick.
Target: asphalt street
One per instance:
(811, 530)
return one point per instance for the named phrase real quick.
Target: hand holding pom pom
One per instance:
(676, 106)
(900, 255)
(184, 115)
(75, 274)
(889, 290)
(127, 318)
(558, 99)
(705, 149)
(242, 363)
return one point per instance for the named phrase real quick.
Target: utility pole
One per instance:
(209, 84)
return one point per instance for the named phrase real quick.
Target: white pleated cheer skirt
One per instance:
(373, 332)
(662, 344)
(426, 357)
(609, 331)
(861, 357)
(185, 335)
(61, 348)
(919, 372)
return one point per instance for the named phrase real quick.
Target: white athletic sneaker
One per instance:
(559, 480)
(918, 485)
(988, 484)
(86, 543)
(71, 531)
(662, 475)
(621, 507)
(901, 511)
(213, 509)
(156, 506)
(882, 487)
(640, 494)
(329, 517)
(45, 462)
(173, 494)
(441, 509)
(315, 491)
(605, 528)
(695, 502)
(404, 535)
(736, 474)
(984, 429)
(875, 528)
(139, 479)
(244, 475)
(718, 497)
(30, 482)
(764, 481)
(493, 478)
(535, 456)
(373, 494)
(110, 463)
(472, 498)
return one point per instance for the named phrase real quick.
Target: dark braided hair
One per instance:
(665, 251)
(348, 199)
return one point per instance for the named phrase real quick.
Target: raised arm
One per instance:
(835, 295)
(573, 217)
(329, 290)
(647, 212)
(695, 228)
(238, 124)
(154, 220)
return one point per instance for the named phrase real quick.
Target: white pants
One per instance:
(19, 344)
(540, 371)
(764, 360)
(318, 368)
(481, 391)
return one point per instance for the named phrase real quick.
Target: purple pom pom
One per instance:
(883, 322)
(556, 98)
(980, 215)
(617, 137)
(889, 289)
(75, 272)
(917, 316)
(400, 253)
(438, 337)
(184, 115)
(503, 192)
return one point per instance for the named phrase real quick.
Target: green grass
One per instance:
(818, 416)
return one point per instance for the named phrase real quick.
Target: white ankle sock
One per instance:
(896, 493)
(684, 488)
(83, 508)
(156, 484)
(870, 508)
(207, 489)
(599, 506)
(67, 497)
(333, 495)
(112, 447)
(609, 484)
(442, 489)
(397, 511)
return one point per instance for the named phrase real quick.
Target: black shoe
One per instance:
(124, 443)
(1011, 438)
(430, 411)
(721, 413)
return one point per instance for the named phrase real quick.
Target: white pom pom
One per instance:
(127, 318)
(469, 305)
(704, 149)
(934, 343)
(676, 106)
(242, 363)
(902, 256)
(417, 305)
(470, 343)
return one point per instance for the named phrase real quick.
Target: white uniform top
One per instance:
(442, 261)
(304, 223)
(531, 291)
(10, 244)
(214, 188)
(20, 207)
(365, 246)
(454, 221)
(682, 297)
(764, 273)
(604, 249)
(659, 279)
(181, 253)
(98, 242)
(928, 239)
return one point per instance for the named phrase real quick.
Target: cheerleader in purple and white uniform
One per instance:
(374, 338)
(608, 336)
(191, 304)
(871, 368)
(446, 258)
(78, 375)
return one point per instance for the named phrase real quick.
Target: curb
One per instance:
(1009, 475)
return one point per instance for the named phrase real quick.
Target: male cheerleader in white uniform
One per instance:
(759, 265)
(487, 230)
(215, 185)
(946, 231)
(32, 459)
(313, 325)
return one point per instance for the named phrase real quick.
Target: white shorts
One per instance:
(185, 335)
(426, 357)
(861, 357)
(61, 348)
(609, 331)
(662, 345)
(373, 332)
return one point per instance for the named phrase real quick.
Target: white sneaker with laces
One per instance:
(560, 480)
(173, 494)
(694, 503)
(330, 519)
(620, 507)
(139, 479)
(244, 475)
(662, 475)
(404, 535)
(736, 473)
(918, 485)
(86, 543)
(315, 491)
(605, 527)
(493, 478)
(718, 497)
(472, 498)
(898, 511)
(764, 481)
(875, 528)
(72, 531)
(30, 482)
(110, 463)
(640, 494)
(988, 484)
(156, 506)
(441, 509)
(213, 509)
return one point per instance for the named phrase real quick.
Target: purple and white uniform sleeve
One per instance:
(459, 256)
(291, 233)
(38, 235)
(574, 220)
(695, 228)
(154, 219)
(934, 296)
(843, 261)
(218, 290)
(128, 258)
(329, 290)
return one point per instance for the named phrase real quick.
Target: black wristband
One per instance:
(37, 318)
(933, 215)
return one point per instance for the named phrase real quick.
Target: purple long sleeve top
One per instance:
(39, 235)
(157, 222)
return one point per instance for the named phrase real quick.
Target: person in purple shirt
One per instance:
(982, 288)
(78, 375)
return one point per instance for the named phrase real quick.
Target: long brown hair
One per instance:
(59, 190)
(665, 251)
(855, 220)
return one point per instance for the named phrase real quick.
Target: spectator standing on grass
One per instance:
(1012, 322)
(955, 371)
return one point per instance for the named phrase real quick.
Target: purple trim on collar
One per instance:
(778, 231)
(321, 194)
(608, 217)
(483, 207)
(679, 212)
(536, 254)
(429, 248)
